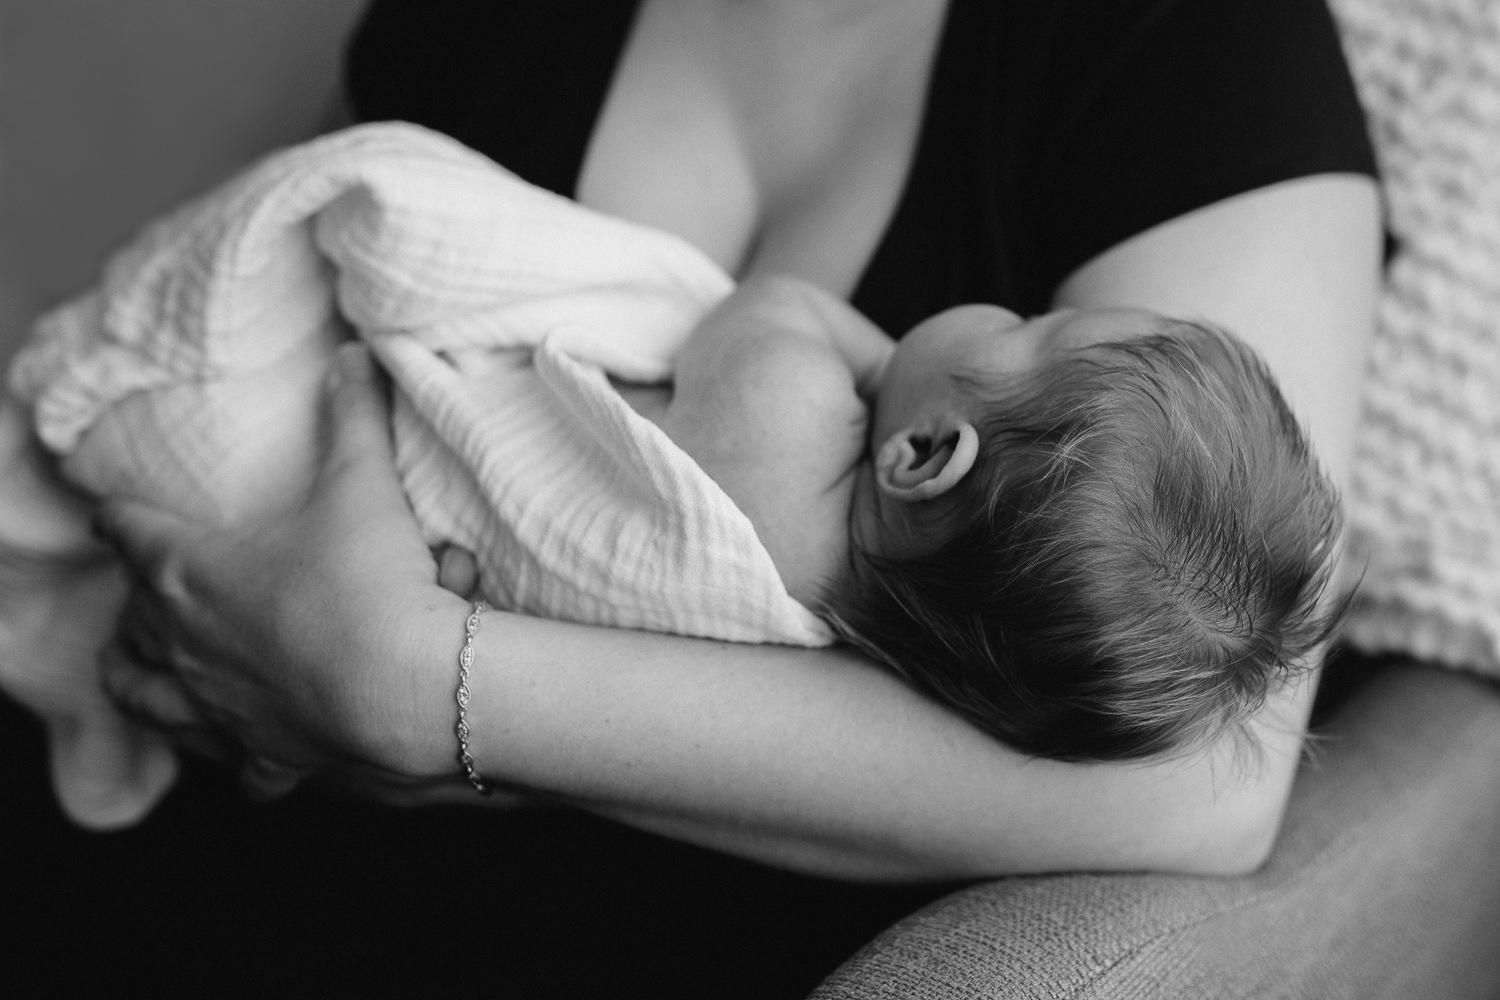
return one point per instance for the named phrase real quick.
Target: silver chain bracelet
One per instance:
(465, 661)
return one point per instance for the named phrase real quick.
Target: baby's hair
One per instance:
(1141, 553)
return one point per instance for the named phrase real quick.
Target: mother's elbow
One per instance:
(1232, 838)
(1241, 851)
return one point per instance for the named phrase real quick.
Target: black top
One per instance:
(1053, 130)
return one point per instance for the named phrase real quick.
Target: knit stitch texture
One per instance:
(1424, 503)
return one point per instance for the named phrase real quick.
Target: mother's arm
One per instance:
(1292, 268)
(323, 636)
(820, 762)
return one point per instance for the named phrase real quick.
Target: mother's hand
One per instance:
(278, 634)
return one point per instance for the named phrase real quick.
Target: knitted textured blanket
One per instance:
(1424, 504)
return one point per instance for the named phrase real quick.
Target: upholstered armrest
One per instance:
(1384, 884)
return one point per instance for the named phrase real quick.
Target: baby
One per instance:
(1096, 534)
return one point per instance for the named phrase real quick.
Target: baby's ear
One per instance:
(913, 465)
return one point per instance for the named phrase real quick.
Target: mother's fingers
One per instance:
(265, 779)
(161, 701)
(151, 695)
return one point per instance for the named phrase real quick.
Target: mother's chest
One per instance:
(787, 159)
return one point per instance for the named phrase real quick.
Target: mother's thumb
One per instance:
(358, 411)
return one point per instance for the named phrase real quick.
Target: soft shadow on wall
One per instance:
(111, 113)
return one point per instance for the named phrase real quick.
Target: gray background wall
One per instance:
(112, 111)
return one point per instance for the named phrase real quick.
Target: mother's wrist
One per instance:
(404, 713)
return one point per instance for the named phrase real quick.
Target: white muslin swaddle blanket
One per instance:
(190, 378)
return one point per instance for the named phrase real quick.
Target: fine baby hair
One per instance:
(1141, 551)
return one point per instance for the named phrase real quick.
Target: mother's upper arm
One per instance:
(1292, 268)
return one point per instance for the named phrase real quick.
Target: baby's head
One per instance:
(1097, 535)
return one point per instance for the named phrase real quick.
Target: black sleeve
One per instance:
(1167, 106)
(420, 60)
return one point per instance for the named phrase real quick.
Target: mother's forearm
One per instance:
(811, 760)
